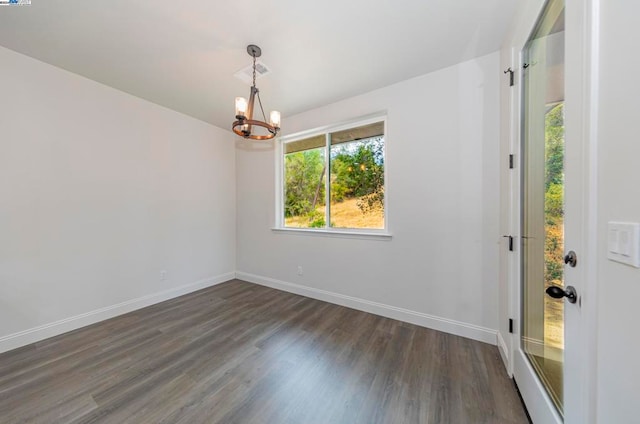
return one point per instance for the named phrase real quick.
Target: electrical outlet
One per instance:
(300, 270)
(163, 275)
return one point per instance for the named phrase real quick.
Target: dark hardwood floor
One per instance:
(242, 353)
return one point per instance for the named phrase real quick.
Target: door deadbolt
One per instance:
(571, 259)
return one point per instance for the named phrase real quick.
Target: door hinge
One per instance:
(510, 72)
(510, 242)
(511, 325)
(511, 162)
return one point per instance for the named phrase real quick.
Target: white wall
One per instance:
(618, 373)
(100, 191)
(440, 268)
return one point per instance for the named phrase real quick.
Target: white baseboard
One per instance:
(32, 335)
(504, 352)
(450, 326)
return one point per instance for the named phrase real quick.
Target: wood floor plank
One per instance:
(243, 353)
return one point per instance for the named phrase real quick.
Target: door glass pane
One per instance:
(543, 199)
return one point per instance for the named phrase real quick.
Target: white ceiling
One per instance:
(183, 54)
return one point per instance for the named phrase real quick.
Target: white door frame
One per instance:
(582, 53)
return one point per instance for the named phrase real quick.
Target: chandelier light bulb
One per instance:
(274, 118)
(241, 106)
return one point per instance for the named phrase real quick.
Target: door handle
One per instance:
(558, 293)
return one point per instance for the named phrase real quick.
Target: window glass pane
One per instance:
(357, 178)
(306, 144)
(304, 183)
(358, 133)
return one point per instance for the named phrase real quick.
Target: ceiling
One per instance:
(183, 54)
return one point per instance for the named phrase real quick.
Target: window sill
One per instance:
(320, 232)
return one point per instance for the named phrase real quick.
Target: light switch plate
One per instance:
(623, 243)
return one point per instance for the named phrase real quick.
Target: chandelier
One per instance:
(245, 125)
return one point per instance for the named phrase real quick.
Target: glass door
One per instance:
(542, 324)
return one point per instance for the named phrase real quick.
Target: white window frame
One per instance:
(382, 234)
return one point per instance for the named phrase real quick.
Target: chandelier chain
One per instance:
(264, 117)
(254, 70)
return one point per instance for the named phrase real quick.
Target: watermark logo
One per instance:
(15, 2)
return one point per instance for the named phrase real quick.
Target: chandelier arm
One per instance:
(264, 117)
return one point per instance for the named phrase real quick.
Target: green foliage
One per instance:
(316, 220)
(554, 202)
(357, 170)
(554, 195)
(303, 180)
(554, 146)
(553, 250)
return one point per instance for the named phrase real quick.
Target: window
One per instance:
(334, 179)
